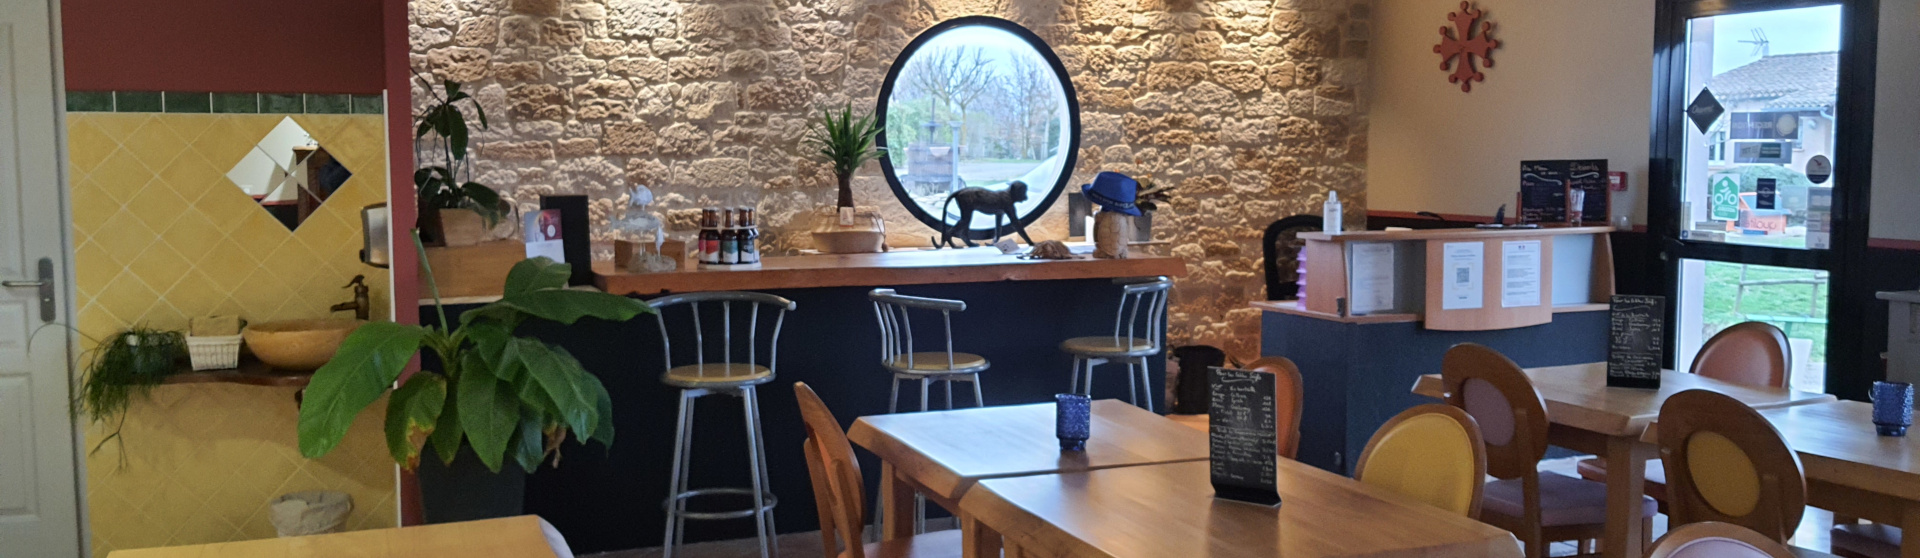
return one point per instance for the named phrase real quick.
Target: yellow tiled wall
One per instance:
(162, 235)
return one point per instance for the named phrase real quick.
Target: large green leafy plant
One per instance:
(846, 142)
(505, 395)
(441, 135)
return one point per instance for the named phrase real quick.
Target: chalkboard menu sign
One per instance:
(1636, 337)
(1243, 436)
(1544, 186)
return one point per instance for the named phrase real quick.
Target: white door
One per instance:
(38, 502)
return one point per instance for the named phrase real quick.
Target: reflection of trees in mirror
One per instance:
(970, 116)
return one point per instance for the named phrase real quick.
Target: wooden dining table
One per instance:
(943, 454)
(1588, 416)
(525, 536)
(1850, 469)
(1169, 510)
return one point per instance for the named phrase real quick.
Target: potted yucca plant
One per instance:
(495, 397)
(846, 141)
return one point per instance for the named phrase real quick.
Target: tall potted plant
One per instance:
(846, 142)
(496, 396)
(454, 210)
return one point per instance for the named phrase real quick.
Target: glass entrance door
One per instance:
(1745, 216)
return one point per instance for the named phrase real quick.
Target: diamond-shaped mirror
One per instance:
(289, 173)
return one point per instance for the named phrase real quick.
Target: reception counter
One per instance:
(1424, 292)
(1018, 311)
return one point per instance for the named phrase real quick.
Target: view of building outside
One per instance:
(1774, 78)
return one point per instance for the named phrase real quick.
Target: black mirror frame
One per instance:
(1066, 85)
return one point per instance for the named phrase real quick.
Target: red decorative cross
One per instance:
(1465, 47)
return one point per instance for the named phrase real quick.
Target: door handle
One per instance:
(44, 283)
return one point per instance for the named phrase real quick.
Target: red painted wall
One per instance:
(273, 46)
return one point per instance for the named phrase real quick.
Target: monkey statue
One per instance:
(999, 204)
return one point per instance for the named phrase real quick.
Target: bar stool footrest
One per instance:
(771, 501)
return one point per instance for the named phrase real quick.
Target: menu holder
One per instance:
(1636, 341)
(1545, 188)
(1243, 438)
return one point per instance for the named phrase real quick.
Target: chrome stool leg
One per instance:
(893, 402)
(948, 382)
(1074, 385)
(1146, 383)
(923, 393)
(674, 504)
(756, 455)
(1133, 393)
(978, 400)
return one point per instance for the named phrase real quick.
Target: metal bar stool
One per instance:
(897, 354)
(1125, 345)
(726, 377)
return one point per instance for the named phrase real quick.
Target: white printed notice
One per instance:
(1370, 277)
(1519, 273)
(1465, 262)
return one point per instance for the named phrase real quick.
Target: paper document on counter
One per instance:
(1465, 266)
(1370, 277)
(1520, 273)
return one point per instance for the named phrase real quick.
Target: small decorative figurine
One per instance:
(1115, 193)
(997, 203)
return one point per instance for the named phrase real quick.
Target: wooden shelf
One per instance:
(900, 267)
(1446, 234)
(251, 372)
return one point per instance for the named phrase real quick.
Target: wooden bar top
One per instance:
(1436, 234)
(899, 267)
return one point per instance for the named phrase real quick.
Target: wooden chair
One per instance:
(1538, 507)
(839, 492)
(1430, 452)
(1713, 539)
(1726, 463)
(1747, 353)
(1286, 403)
(1865, 540)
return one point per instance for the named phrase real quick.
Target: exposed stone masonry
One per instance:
(1256, 107)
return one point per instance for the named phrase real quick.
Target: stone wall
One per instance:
(1256, 107)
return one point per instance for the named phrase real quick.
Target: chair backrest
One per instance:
(750, 304)
(838, 492)
(1726, 463)
(1713, 539)
(896, 324)
(1430, 452)
(1511, 414)
(1141, 296)
(1287, 401)
(1747, 353)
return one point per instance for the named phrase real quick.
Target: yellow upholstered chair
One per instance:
(1538, 507)
(1713, 539)
(1430, 452)
(1726, 463)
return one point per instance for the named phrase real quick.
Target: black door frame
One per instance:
(1850, 370)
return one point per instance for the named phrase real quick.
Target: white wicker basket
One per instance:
(214, 353)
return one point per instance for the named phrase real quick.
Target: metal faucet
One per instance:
(360, 305)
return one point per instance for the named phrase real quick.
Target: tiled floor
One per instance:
(1812, 535)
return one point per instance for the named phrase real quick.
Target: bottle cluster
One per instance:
(729, 237)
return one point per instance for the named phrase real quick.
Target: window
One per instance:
(977, 101)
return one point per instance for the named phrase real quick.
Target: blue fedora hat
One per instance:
(1114, 192)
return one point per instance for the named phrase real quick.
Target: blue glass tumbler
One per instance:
(1073, 420)
(1892, 407)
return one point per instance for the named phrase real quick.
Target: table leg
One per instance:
(1626, 482)
(977, 540)
(1910, 523)
(896, 505)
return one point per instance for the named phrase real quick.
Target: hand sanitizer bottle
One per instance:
(1330, 213)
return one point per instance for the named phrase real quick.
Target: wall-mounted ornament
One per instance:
(1459, 46)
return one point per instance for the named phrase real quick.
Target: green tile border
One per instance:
(200, 102)
(89, 101)
(137, 101)
(236, 103)
(329, 104)
(188, 102)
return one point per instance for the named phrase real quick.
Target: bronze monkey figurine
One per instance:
(999, 204)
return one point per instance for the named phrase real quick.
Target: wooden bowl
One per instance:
(298, 344)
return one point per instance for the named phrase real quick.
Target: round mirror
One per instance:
(978, 102)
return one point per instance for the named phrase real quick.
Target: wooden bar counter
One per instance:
(1018, 311)
(899, 267)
